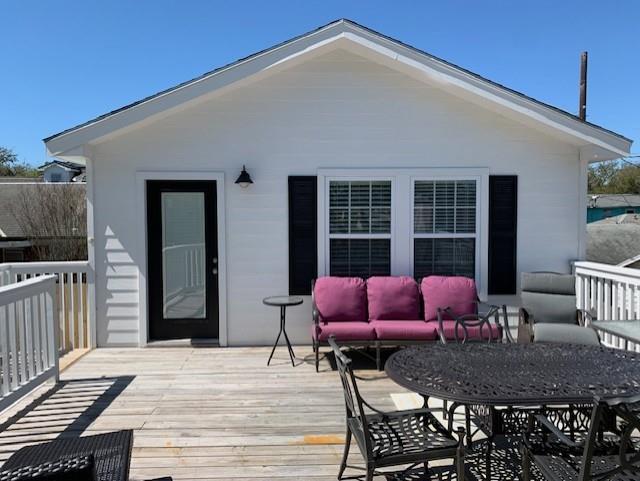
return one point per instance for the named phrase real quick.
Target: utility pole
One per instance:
(582, 108)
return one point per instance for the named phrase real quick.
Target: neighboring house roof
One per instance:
(614, 200)
(9, 226)
(66, 165)
(598, 142)
(615, 240)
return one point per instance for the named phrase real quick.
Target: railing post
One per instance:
(4, 351)
(91, 308)
(55, 347)
(579, 292)
(24, 366)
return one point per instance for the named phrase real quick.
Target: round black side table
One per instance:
(282, 302)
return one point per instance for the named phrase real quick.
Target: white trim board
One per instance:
(141, 207)
(596, 143)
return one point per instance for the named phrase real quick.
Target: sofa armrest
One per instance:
(314, 308)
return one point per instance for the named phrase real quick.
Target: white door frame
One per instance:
(141, 208)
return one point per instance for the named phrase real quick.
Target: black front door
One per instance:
(182, 259)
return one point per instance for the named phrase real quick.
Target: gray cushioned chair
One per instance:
(549, 312)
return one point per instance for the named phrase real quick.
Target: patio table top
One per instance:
(516, 374)
(626, 329)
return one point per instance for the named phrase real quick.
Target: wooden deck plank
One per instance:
(202, 413)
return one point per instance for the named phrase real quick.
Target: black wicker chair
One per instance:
(103, 457)
(387, 439)
(609, 451)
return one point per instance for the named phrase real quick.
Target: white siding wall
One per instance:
(335, 111)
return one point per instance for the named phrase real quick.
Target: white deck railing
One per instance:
(74, 297)
(611, 292)
(28, 336)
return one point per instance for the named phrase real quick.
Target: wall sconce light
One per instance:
(244, 179)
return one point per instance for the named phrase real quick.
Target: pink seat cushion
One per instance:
(394, 298)
(490, 330)
(345, 331)
(458, 293)
(402, 330)
(341, 298)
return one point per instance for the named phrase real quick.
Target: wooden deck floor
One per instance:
(203, 413)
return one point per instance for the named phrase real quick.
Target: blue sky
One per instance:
(65, 62)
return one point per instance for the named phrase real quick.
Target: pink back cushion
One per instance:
(457, 293)
(393, 298)
(341, 298)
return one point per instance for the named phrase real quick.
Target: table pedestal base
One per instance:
(283, 331)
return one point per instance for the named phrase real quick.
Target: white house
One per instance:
(367, 156)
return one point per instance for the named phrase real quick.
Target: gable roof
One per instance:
(613, 240)
(66, 165)
(346, 34)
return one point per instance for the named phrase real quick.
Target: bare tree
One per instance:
(54, 217)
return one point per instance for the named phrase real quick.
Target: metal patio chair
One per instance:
(474, 327)
(612, 456)
(549, 310)
(387, 439)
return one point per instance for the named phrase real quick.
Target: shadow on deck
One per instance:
(65, 410)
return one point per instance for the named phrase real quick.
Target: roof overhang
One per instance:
(595, 143)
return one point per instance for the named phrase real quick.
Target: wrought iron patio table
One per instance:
(282, 302)
(514, 376)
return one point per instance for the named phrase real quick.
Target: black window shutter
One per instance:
(303, 233)
(503, 225)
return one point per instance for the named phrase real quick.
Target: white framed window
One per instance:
(359, 226)
(445, 227)
(435, 224)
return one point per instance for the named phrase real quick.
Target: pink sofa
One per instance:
(393, 310)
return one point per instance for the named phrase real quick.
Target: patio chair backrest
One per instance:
(549, 297)
(353, 401)
(482, 328)
(627, 411)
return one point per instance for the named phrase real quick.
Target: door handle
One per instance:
(215, 260)
(215, 271)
